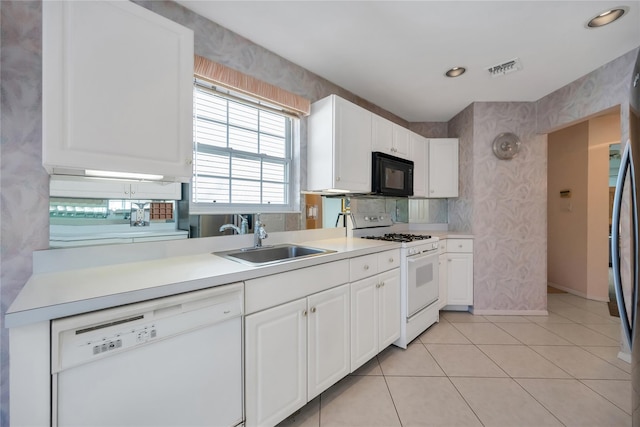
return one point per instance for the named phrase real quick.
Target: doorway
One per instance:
(578, 212)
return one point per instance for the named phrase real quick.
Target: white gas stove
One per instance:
(418, 272)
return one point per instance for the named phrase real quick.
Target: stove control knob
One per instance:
(366, 218)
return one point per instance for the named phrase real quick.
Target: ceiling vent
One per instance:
(505, 68)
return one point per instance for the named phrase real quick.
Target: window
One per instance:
(242, 155)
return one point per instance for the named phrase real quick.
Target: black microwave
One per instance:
(391, 176)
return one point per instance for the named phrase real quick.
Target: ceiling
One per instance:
(395, 53)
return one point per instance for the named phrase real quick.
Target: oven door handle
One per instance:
(421, 256)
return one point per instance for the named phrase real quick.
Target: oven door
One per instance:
(422, 281)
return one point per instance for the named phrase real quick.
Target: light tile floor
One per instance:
(505, 371)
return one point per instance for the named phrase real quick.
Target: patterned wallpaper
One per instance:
(509, 211)
(24, 183)
(503, 202)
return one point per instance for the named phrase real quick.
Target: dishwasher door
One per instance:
(175, 361)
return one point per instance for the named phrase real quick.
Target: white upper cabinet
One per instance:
(389, 137)
(101, 188)
(442, 170)
(117, 89)
(339, 146)
(418, 153)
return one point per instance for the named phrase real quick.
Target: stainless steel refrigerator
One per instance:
(625, 249)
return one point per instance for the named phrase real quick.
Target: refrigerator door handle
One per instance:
(626, 168)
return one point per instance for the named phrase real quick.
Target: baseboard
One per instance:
(456, 308)
(576, 293)
(509, 312)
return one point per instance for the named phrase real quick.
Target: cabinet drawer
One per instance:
(460, 245)
(388, 260)
(363, 266)
(269, 291)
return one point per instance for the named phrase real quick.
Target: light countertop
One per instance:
(452, 235)
(58, 294)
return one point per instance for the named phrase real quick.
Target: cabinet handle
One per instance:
(304, 313)
(460, 246)
(449, 260)
(313, 309)
(337, 178)
(377, 285)
(390, 260)
(366, 267)
(381, 284)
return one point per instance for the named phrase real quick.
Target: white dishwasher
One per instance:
(173, 361)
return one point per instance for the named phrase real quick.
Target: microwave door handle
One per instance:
(626, 168)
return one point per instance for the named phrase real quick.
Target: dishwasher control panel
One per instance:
(85, 338)
(126, 338)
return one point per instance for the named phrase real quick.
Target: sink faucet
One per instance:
(244, 225)
(259, 232)
(228, 226)
(243, 229)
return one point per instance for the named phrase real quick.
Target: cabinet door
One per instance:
(418, 149)
(401, 141)
(389, 308)
(98, 188)
(381, 134)
(353, 147)
(117, 89)
(275, 363)
(389, 137)
(364, 321)
(443, 167)
(328, 339)
(443, 284)
(156, 190)
(460, 278)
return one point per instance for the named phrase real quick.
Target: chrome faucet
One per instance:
(244, 224)
(259, 232)
(243, 229)
(228, 226)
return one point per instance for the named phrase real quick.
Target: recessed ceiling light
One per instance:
(607, 17)
(455, 72)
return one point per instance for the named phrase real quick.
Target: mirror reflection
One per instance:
(83, 221)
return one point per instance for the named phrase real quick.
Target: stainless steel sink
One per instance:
(272, 254)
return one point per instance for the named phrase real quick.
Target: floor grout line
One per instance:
(501, 326)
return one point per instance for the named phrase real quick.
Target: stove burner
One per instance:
(399, 237)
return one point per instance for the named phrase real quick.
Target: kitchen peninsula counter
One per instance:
(51, 294)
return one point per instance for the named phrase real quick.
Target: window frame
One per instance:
(293, 196)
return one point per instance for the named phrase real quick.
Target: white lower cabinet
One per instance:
(459, 271)
(443, 281)
(375, 315)
(375, 304)
(294, 352)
